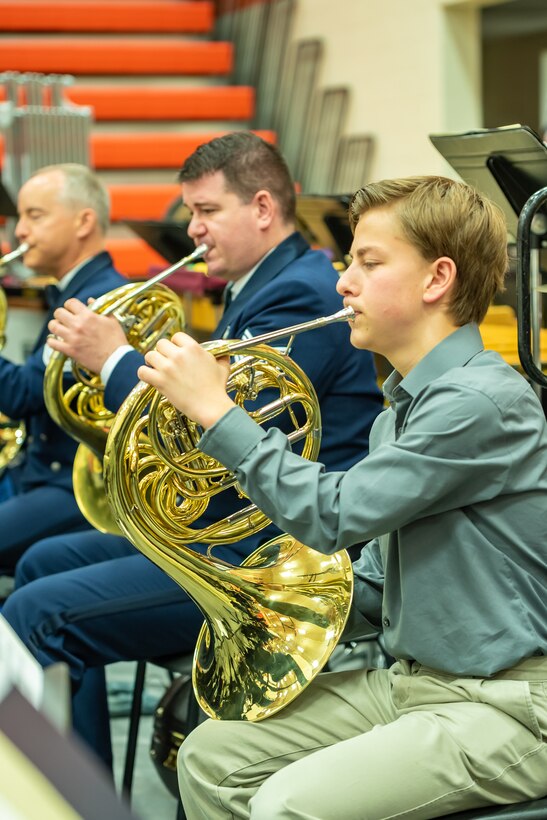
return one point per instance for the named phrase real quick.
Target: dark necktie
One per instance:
(227, 296)
(51, 295)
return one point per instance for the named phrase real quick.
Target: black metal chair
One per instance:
(175, 666)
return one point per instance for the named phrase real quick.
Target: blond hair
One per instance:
(442, 217)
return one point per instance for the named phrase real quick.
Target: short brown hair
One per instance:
(249, 164)
(443, 217)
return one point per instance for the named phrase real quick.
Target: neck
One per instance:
(277, 235)
(84, 254)
(407, 356)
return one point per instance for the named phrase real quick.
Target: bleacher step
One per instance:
(107, 15)
(149, 150)
(141, 201)
(142, 102)
(115, 55)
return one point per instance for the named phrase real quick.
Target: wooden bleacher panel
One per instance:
(499, 332)
(149, 114)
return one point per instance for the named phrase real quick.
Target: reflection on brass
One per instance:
(12, 433)
(148, 311)
(271, 624)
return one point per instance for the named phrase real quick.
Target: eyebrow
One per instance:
(364, 250)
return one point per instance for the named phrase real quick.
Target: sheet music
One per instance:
(18, 667)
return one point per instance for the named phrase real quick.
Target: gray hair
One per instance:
(82, 189)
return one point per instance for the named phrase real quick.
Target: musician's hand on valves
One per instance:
(85, 336)
(191, 378)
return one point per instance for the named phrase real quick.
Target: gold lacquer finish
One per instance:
(148, 312)
(167, 483)
(272, 623)
(12, 433)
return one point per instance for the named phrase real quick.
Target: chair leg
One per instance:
(133, 732)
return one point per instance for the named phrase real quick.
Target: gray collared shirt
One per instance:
(453, 496)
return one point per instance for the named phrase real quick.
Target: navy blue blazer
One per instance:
(296, 284)
(49, 452)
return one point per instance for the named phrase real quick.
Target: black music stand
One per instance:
(168, 238)
(508, 164)
(323, 220)
(7, 205)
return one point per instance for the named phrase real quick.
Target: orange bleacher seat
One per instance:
(149, 150)
(134, 257)
(107, 15)
(142, 201)
(116, 55)
(116, 102)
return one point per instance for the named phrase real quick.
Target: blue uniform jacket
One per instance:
(295, 284)
(49, 452)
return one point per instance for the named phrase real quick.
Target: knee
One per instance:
(192, 754)
(18, 613)
(35, 563)
(205, 754)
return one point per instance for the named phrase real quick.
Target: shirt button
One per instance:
(43, 437)
(55, 466)
(386, 622)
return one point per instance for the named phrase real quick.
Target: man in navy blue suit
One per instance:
(89, 598)
(63, 217)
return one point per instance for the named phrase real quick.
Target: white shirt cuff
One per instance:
(112, 361)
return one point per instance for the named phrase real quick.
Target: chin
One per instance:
(357, 340)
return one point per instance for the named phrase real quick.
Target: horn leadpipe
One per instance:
(13, 255)
(345, 315)
(199, 251)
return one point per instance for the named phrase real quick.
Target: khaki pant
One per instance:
(407, 742)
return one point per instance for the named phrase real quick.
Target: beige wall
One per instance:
(413, 67)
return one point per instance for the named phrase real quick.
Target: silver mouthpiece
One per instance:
(13, 255)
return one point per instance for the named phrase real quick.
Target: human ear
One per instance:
(85, 222)
(264, 207)
(440, 280)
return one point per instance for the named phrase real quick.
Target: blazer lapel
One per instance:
(285, 253)
(88, 271)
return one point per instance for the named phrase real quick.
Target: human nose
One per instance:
(196, 227)
(21, 230)
(347, 284)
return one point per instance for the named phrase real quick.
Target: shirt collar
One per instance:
(64, 282)
(239, 284)
(454, 351)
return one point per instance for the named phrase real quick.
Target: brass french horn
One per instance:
(148, 311)
(12, 433)
(271, 623)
